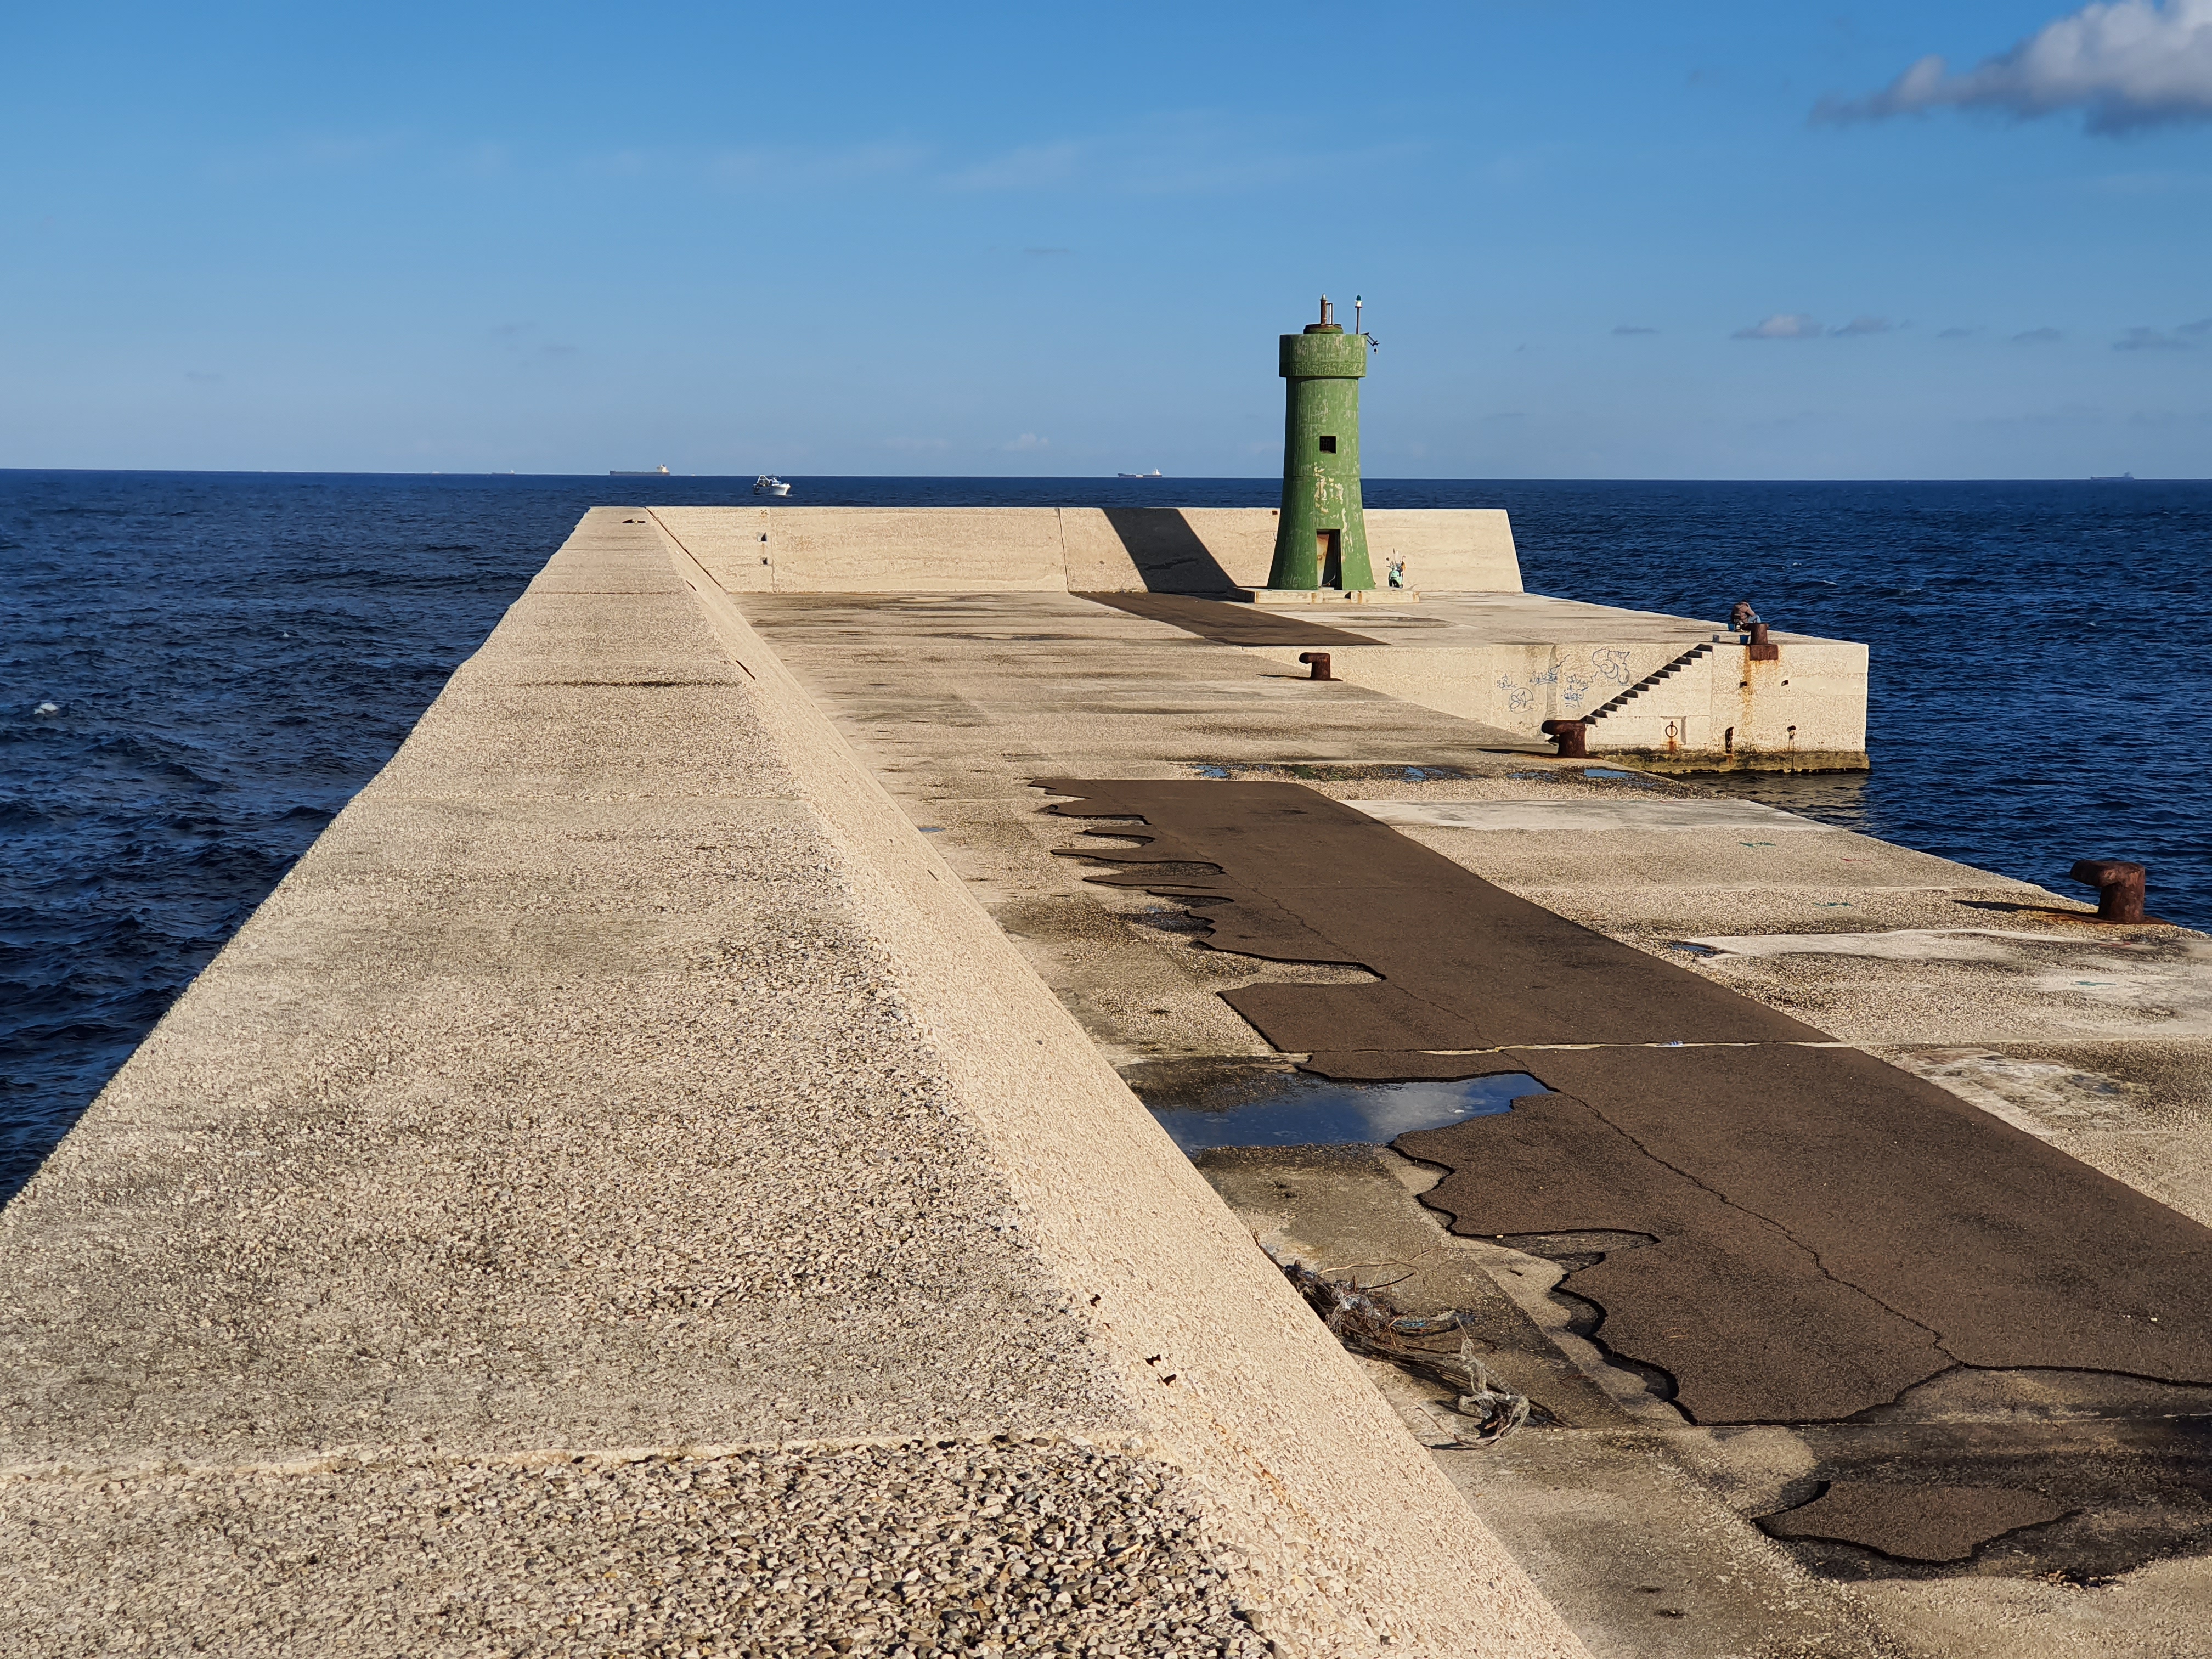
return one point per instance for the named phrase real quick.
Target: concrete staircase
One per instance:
(1649, 682)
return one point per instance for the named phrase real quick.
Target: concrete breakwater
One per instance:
(621, 1194)
(662, 1176)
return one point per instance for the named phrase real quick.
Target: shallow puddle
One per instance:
(1288, 1109)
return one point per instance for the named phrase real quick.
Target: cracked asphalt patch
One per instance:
(1297, 876)
(1830, 1231)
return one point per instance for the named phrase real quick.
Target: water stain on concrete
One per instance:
(1276, 1106)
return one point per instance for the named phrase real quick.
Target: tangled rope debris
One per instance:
(1367, 1321)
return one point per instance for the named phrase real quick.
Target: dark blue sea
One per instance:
(201, 668)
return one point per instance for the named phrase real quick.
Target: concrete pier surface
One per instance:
(1671, 693)
(662, 1176)
(622, 1194)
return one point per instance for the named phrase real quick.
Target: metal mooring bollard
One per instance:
(2119, 887)
(1320, 661)
(1572, 735)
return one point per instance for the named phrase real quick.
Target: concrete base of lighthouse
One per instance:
(1328, 596)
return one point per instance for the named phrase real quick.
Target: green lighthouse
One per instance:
(1321, 541)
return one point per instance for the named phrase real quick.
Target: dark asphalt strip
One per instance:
(1778, 1177)
(1464, 965)
(1829, 1230)
(1914, 1523)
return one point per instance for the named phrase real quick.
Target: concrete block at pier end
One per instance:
(1446, 550)
(1198, 549)
(1080, 549)
(1662, 691)
(898, 549)
(732, 542)
(1166, 550)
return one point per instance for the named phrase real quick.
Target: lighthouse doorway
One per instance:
(1328, 554)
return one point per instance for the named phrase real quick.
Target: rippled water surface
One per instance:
(201, 668)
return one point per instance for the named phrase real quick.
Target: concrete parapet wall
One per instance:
(621, 1194)
(855, 550)
(1514, 685)
(731, 544)
(1167, 550)
(1446, 551)
(1806, 710)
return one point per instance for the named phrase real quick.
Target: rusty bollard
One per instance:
(1763, 649)
(1320, 661)
(1572, 735)
(2119, 887)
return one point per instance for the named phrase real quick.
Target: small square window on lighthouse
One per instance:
(1328, 446)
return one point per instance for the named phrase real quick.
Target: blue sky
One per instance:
(1597, 240)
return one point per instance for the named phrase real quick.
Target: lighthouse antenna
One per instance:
(1356, 303)
(1326, 318)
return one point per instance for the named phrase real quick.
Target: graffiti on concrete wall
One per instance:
(1608, 663)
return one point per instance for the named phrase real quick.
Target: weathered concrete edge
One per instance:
(758, 548)
(1330, 1494)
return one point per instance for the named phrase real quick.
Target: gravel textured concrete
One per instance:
(935, 1547)
(618, 1196)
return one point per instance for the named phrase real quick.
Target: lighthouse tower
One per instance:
(1321, 541)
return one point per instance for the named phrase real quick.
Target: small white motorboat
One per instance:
(769, 484)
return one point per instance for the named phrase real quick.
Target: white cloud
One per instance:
(2128, 63)
(1028, 441)
(1782, 326)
